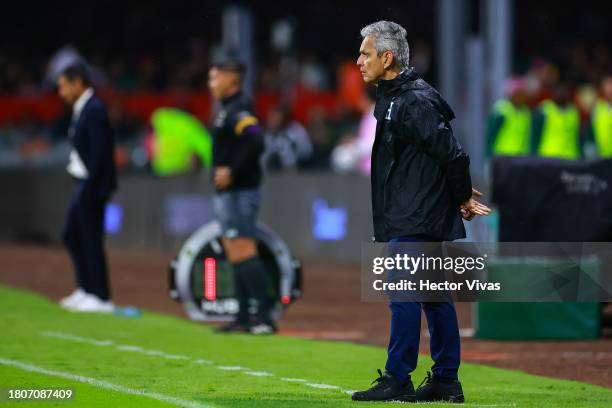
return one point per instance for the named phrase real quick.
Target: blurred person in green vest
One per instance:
(556, 126)
(509, 125)
(180, 139)
(599, 131)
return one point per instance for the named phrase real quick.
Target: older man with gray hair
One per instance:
(421, 189)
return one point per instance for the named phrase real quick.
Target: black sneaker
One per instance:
(439, 389)
(233, 327)
(387, 388)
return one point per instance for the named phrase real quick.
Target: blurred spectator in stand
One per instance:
(313, 74)
(321, 135)
(599, 130)
(556, 126)
(34, 142)
(541, 80)
(120, 77)
(585, 98)
(602, 61)
(420, 58)
(354, 154)
(267, 77)
(345, 125)
(350, 86)
(125, 127)
(287, 144)
(351, 105)
(149, 75)
(366, 132)
(181, 144)
(509, 125)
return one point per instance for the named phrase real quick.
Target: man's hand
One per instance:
(222, 177)
(471, 208)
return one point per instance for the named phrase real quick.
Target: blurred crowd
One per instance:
(571, 99)
(332, 117)
(571, 105)
(548, 113)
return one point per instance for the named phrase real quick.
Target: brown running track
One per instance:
(331, 309)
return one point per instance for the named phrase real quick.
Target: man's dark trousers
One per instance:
(445, 344)
(83, 236)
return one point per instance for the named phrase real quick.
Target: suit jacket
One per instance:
(93, 139)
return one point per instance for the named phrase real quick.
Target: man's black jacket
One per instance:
(93, 140)
(420, 173)
(238, 142)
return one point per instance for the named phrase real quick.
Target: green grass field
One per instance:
(157, 360)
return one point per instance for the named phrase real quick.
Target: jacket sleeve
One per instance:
(434, 135)
(247, 128)
(97, 130)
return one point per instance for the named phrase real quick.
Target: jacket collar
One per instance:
(80, 103)
(229, 99)
(402, 82)
(389, 89)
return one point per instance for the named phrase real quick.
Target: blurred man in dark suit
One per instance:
(93, 169)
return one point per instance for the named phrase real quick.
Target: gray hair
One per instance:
(389, 36)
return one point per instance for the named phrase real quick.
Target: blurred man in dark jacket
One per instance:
(421, 188)
(287, 144)
(92, 167)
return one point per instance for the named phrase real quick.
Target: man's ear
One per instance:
(387, 59)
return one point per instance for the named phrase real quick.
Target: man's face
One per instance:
(222, 83)
(69, 90)
(371, 65)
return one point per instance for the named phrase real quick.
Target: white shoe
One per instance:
(72, 299)
(91, 303)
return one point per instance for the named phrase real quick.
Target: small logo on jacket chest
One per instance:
(388, 115)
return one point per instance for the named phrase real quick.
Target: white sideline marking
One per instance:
(122, 347)
(131, 348)
(259, 373)
(323, 386)
(232, 368)
(138, 349)
(104, 384)
(80, 339)
(165, 355)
